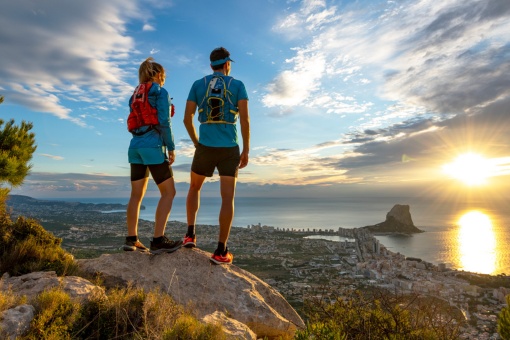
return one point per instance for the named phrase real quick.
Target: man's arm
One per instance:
(189, 113)
(244, 119)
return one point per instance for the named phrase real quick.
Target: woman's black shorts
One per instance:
(160, 172)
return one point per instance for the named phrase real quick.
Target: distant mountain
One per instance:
(21, 202)
(398, 221)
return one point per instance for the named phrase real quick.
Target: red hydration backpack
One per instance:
(142, 112)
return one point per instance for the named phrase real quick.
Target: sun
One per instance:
(470, 168)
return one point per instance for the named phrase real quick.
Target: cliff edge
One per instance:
(190, 278)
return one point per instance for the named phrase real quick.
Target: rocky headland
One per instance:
(398, 221)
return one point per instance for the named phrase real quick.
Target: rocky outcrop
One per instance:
(398, 220)
(15, 321)
(190, 278)
(35, 283)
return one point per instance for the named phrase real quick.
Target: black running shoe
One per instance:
(165, 246)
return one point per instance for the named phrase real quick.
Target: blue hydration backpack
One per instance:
(216, 106)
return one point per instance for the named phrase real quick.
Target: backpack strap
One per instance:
(227, 94)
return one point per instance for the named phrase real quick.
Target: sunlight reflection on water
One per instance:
(477, 251)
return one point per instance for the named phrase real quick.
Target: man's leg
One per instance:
(167, 190)
(193, 198)
(138, 189)
(227, 188)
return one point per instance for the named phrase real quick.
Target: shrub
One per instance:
(130, 313)
(379, 315)
(9, 300)
(26, 247)
(55, 316)
(504, 320)
(119, 316)
(187, 327)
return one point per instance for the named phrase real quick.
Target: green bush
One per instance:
(188, 328)
(504, 320)
(130, 313)
(27, 247)
(321, 331)
(123, 313)
(379, 315)
(56, 314)
(8, 300)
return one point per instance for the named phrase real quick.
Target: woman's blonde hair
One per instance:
(148, 70)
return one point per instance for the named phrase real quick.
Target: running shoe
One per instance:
(225, 258)
(165, 246)
(189, 242)
(134, 245)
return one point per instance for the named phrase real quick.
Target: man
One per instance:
(221, 100)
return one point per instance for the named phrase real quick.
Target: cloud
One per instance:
(439, 69)
(293, 87)
(313, 15)
(57, 158)
(73, 185)
(303, 166)
(148, 27)
(448, 56)
(59, 51)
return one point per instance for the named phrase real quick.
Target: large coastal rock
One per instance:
(398, 220)
(190, 278)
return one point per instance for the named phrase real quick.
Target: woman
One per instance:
(152, 150)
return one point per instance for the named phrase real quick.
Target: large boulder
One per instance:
(398, 220)
(34, 283)
(190, 278)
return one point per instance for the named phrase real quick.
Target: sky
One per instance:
(346, 98)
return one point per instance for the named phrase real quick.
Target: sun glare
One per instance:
(477, 243)
(470, 168)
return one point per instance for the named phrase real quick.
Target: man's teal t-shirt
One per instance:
(218, 135)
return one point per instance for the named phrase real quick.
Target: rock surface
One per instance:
(15, 322)
(34, 283)
(398, 220)
(233, 329)
(190, 278)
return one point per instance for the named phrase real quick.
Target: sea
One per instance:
(472, 237)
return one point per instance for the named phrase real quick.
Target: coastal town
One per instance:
(298, 263)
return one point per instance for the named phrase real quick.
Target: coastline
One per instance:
(438, 243)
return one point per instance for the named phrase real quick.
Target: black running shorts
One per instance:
(207, 158)
(160, 172)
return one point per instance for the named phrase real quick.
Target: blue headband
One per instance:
(221, 61)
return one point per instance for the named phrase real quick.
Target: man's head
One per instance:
(220, 58)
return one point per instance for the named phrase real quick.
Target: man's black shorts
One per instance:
(207, 158)
(160, 172)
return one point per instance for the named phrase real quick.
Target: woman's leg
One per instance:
(167, 190)
(138, 189)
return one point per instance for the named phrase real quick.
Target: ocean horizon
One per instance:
(471, 245)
